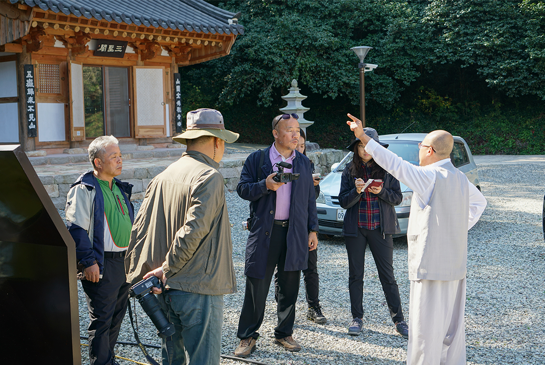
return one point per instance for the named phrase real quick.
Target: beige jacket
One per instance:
(183, 226)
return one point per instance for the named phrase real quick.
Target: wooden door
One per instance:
(149, 102)
(77, 107)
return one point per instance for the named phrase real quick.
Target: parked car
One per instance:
(330, 213)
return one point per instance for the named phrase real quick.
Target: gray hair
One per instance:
(98, 147)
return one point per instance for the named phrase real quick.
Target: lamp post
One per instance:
(361, 52)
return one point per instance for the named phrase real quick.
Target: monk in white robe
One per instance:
(444, 206)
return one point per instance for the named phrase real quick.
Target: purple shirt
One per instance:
(283, 194)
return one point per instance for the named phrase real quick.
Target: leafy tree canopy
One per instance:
(465, 65)
(310, 40)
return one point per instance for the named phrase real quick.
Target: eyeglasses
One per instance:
(420, 145)
(285, 116)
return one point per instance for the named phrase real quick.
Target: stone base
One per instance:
(312, 146)
(140, 173)
(75, 151)
(145, 148)
(38, 153)
(175, 145)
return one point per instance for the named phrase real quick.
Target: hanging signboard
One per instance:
(30, 100)
(178, 102)
(110, 48)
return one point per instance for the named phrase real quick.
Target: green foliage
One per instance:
(466, 66)
(503, 38)
(93, 103)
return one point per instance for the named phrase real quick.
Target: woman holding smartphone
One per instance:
(370, 219)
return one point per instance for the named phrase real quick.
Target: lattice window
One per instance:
(49, 79)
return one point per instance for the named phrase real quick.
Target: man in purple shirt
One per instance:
(283, 228)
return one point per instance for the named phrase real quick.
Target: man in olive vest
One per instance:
(182, 235)
(445, 205)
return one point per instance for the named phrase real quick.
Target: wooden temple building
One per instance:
(70, 73)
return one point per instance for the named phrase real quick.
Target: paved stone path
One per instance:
(508, 159)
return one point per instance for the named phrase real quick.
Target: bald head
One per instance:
(435, 147)
(442, 143)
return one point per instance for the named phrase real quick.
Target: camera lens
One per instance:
(151, 306)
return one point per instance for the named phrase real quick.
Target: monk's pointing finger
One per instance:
(353, 118)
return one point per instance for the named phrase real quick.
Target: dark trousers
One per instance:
(312, 281)
(255, 297)
(107, 302)
(382, 248)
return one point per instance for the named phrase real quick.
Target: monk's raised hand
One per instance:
(355, 126)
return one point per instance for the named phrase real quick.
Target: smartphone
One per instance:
(316, 177)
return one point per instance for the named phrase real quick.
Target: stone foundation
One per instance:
(230, 167)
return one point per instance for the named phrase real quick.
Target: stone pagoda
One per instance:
(294, 99)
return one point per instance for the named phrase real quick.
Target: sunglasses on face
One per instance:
(285, 116)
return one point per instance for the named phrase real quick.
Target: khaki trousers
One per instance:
(436, 330)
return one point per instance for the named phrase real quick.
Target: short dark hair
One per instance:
(302, 132)
(275, 121)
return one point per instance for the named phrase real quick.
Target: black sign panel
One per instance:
(30, 100)
(178, 103)
(38, 286)
(110, 48)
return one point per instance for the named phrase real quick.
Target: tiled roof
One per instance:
(190, 15)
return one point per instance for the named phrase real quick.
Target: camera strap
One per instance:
(142, 347)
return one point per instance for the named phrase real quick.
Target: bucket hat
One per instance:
(205, 122)
(372, 133)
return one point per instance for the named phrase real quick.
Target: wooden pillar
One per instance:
(28, 143)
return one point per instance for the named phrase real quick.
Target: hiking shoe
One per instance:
(288, 343)
(315, 314)
(403, 329)
(355, 327)
(245, 347)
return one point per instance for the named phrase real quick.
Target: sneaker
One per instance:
(403, 329)
(288, 343)
(315, 314)
(355, 327)
(246, 347)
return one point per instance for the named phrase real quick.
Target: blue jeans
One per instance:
(197, 319)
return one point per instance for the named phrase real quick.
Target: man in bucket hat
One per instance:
(182, 235)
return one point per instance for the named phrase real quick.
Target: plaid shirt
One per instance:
(369, 211)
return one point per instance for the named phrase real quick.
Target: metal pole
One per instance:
(362, 92)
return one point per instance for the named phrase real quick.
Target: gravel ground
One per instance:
(505, 290)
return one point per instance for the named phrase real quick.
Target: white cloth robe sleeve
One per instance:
(421, 179)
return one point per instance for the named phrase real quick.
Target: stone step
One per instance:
(129, 151)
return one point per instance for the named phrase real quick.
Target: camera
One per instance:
(148, 301)
(284, 177)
